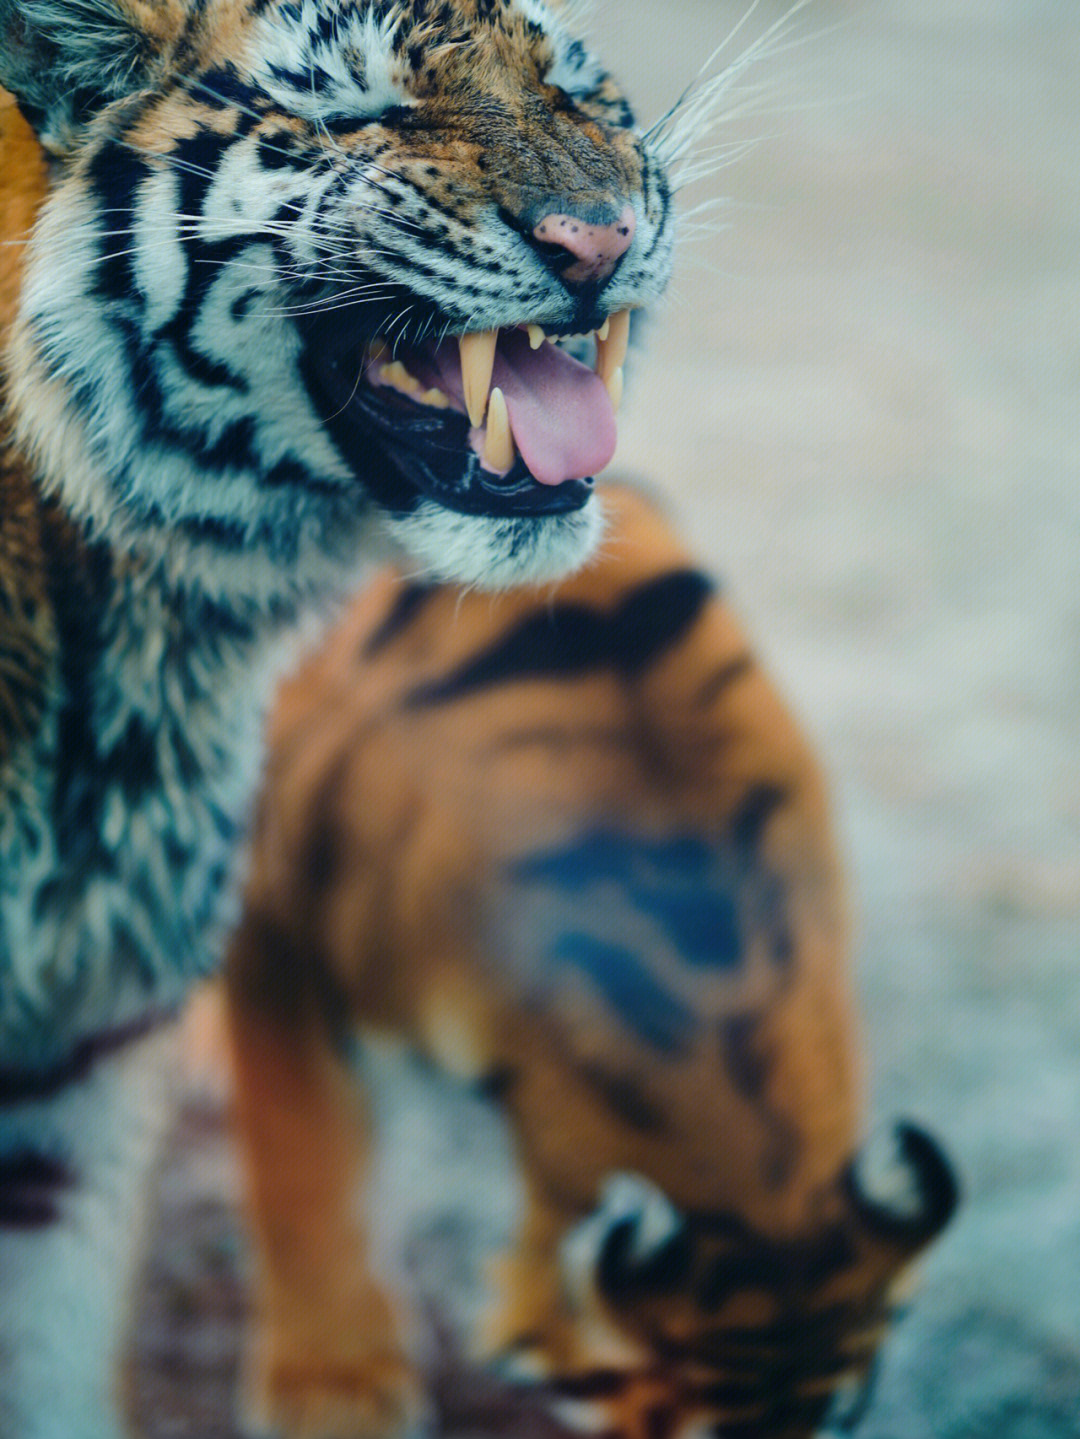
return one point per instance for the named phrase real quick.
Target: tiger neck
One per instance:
(122, 810)
(143, 623)
(148, 673)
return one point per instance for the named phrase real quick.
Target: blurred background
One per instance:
(863, 399)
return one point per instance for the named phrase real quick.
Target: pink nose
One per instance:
(597, 248)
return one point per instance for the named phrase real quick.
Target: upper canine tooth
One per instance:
(611, 352)
(614, 384)
(500, 451)
(477, 363)
(536, 335)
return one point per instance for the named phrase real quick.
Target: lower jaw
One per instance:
(494, 552)
(408, 479)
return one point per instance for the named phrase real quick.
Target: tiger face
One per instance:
(299, 267)
(751, 1335)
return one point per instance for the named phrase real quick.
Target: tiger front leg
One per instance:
(76, 1156)
(326, 1357)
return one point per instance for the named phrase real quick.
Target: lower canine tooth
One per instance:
(477, 363)
(614, 384)
(499, 449)
(611, 353)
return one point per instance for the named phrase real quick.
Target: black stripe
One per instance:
(664, 191)
(26, 1086)
(641, 1002)
(80, 590)
(116, 174)
(573, 639)
(31, 1187)
(626, 1099)
(685, 884)
(785, 1418)
(722, 678)
(408, 603)
(224, 89)
(808, 1338)
(656, 615)
(753, 814)
(779, 1268)
(748, 1060)
(593, 1384)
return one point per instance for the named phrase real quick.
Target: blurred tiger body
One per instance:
(566, 851)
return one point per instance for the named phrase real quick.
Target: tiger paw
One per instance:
(372, 1397)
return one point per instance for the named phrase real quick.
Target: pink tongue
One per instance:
(560, 412)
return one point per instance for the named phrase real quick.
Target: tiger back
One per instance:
(568, 852)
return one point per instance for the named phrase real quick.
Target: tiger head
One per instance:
(295, 275)
(751, 1335)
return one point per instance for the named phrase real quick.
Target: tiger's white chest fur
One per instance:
(120, 837)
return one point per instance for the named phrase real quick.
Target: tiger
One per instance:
(559, 872)
(285, 287)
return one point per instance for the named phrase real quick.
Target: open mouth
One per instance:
(499, 422)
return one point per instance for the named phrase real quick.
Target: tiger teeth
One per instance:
(435, 398)
(500, 451)
(477, 351)
(611, 351)
(398, 376)
(477, 364)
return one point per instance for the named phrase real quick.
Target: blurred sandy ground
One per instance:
(863, 400)
(881, 361)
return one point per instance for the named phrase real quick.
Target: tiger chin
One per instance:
(283, 282)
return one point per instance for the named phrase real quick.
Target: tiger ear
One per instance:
(635, 1242)
(65, 59)
(903, 1189)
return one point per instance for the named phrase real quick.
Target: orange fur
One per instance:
(22, 189)
(26, 638)
(381, 901)
(34, 539)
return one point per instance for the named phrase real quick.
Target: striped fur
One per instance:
(566, 854)
(200, 202)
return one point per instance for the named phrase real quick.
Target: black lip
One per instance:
(407, 451)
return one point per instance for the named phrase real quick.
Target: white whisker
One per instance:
(676, 138)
